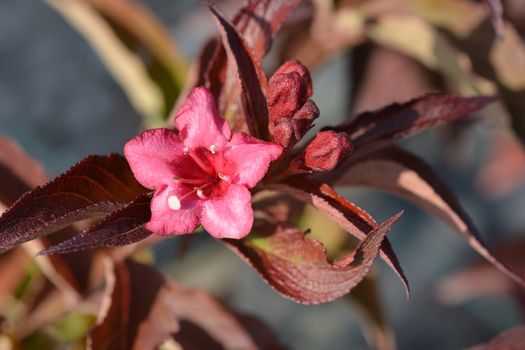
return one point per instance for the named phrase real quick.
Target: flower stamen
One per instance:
(174, 203)
(201, 194)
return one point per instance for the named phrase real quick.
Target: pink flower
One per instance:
(201, 175)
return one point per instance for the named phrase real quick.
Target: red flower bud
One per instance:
(297, 67)
(327, 150)
(288, 89)
(288, 131)
(283, 132)
(286, 94)
(307, 113)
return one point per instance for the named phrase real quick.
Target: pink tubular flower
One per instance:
(202, 174)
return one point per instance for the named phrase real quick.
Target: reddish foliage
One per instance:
(346, 214)
(256, 24)
(298, 268)
(95, 186)
(142, 309)
(18, 174)
(248, 77)
(407, 176)
(260, 20)
(230, 66)
(381, 128)
(122, 227)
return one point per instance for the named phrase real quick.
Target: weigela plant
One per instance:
(200, 172)
(245, 179)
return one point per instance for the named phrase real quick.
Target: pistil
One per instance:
(175, 202)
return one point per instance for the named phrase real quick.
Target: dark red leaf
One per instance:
(381, 128)
(204, 61)
(298, 267)
(248, 76)
(511, 339)
(259, 21)
(496, 16)
(95, 186)
(18, 174)
(122, 227)
(346, 214)
(403, 174)
(142, 309)
(256, 22)
(213, 71)
(136, 312)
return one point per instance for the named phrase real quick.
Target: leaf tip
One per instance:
(395, 218)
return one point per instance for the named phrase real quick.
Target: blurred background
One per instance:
(58, 99)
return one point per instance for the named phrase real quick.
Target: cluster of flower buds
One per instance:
(292, 113)
(290, 110)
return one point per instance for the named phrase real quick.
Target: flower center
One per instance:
(210, 179)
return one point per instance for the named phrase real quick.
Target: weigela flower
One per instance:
(202, 174)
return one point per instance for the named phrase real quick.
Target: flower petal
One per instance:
(154, 157)
(251, 157)
(229, 215)
(199, 123)
(166, 221)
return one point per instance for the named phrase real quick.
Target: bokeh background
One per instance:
(59, 101)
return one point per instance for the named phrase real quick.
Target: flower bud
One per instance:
(307, 114)
(288, 131)
(288, 89)
(286, 94)
(297, 67)
(327, 150)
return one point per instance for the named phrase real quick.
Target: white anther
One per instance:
(174, 203)
(186, 150)
(213, 149)
(201, 194)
